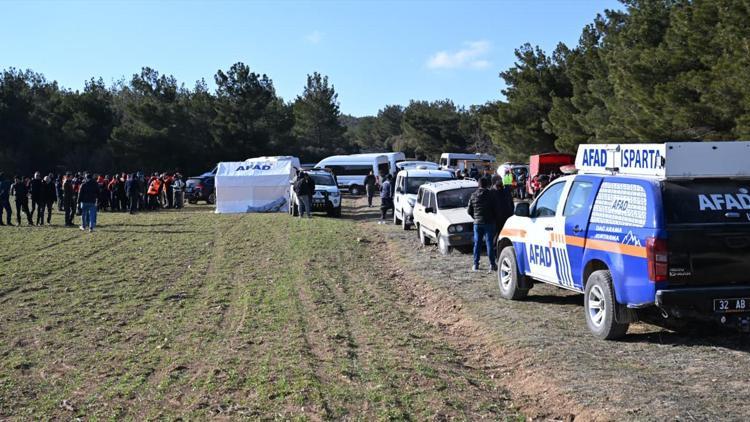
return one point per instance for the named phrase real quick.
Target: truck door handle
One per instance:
(549, 229)
(577, 229)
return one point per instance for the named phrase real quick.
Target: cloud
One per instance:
(314, 37)
(469, 57)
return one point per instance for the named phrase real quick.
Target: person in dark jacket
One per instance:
(38, 204)
(503, 204)
(482, 210)
(59, 193)
(50, 196)
(133, 190)
(304, 188)
(20, 189)
(386, 198)
(5, 200)
(87, 197)
(69, 199)
(370, 182)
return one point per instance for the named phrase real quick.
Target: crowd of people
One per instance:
(86, 194)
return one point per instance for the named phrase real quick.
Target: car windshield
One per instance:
(455, 198)
(193, 182)
(323, 179)
(413, 183)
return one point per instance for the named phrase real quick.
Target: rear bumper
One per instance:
(698, 298)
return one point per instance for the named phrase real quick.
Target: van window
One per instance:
(351, 170)
(546, 204)
(383, 168)
(579, 195)
(706, 201)
(620, 204)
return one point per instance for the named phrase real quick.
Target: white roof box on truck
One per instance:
(672, 160)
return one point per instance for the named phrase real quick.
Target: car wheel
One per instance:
(509, 278)
(355, 190)
(211, 198)
(404, 224)
(600, 306)
(423, 239)
(395, 219)
(443, 245)
(337, 212)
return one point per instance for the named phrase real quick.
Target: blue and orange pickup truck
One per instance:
(638, 226)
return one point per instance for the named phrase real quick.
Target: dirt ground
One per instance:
(541, 351)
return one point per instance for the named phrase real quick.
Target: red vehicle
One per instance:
(546, 164)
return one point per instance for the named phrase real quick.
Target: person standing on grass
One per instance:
(386, 198)
(482, 210)
(178, 186)
(20, 189)
(304, 187)
(133, 189)
(503, 204)
(36, 188)
(59, 192)
(5, 200)
(50, 195)
(370, 182)
(69, 199)
(87, 197)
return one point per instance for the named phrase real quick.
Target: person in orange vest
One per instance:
(154, 190)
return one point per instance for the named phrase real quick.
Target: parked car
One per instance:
(327, 197)
(663, 227)
(201, 188)
(351, 170)
(440, 214)
(406, 189)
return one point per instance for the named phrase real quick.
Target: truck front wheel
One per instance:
(600, 305)
(509, 278)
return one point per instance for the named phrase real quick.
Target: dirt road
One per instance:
(541, 350)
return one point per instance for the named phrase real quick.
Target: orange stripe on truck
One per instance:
(606, 245)
(513, 233)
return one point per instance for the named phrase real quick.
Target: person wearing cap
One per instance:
(5, 200)
(69, 199)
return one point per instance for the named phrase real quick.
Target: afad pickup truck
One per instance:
(660, 226)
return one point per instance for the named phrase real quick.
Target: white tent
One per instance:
(255, 185)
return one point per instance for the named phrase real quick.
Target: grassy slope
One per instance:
(196, 314)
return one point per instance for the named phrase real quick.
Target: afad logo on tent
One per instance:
(254, 166)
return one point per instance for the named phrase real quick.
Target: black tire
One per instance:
(295, 210)
(509, 278)
(355, 190)
(395, 219)
(337, 212)
(423, 239)
(404, 224)
(443, 246)
(600, 307)
(211, 198)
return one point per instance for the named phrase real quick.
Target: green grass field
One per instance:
(192, 314)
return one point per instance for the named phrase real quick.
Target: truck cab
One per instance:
(663, 226)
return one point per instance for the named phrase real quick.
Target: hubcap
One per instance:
(596, 306)
(505, 273)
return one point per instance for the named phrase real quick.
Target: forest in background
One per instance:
(654, 71)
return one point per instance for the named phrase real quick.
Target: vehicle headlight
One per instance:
(459, 228)
(334, 194)
(451, 229)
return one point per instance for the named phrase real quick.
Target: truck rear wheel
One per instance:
(355, 190)
(509, 278)
(600, 306)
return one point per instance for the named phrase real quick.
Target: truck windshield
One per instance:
(323, 179)
(413, 183)
(708, 201)
(455, 198)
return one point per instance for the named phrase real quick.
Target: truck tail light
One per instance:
(657, 255)
(199, 186)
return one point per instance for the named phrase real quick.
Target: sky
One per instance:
(375, 53)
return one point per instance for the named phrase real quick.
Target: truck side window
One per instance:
(425, 199)
(546, 204)
(579, 195)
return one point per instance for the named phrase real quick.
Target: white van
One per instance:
(425, 165)
(393, 158)
(463, 161)
(351, 170)
(407, 185)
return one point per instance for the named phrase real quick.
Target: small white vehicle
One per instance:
(351, 170)
(426, 165)
(393, 158)
(327, 196)
(463, 161)
(440, 214)
(407, 186)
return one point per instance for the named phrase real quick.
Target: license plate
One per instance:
(737, 304)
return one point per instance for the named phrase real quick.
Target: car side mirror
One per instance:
(522, 209)
(398, 190)
(429, 210)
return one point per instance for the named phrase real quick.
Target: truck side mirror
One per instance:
(429, 210)
(522, 209)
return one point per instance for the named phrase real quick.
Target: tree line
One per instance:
(657, 70)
